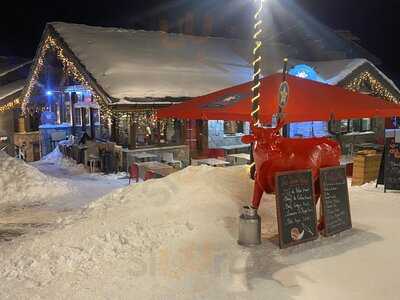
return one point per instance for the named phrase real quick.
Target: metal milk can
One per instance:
(249, 227)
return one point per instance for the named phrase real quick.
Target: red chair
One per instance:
(149, 175)
(133, 172)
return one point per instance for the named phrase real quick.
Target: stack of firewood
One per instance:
(366, 166)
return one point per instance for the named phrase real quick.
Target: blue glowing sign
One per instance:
(306, 72)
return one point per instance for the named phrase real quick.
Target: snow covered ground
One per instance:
(175, 238)
(35, 198)
(84, 186)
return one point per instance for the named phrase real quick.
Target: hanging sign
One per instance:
(297, 219)
(283, 94)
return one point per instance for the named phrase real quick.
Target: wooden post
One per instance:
(158, 133)
(92, 124)
(73, 101)
(114, 133)
(181, 132)
(132, 132)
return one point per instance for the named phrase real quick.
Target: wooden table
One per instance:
(130, 156)
(156, 167)
(213, 162)
(234, 148)
(143, 156)
(240, 158)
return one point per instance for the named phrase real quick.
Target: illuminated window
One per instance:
(359, 125)
(366, 124)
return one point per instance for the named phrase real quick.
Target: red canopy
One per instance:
(308, 101)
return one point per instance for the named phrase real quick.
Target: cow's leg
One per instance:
(257, 194)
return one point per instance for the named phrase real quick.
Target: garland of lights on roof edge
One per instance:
(10, 105)
(143, 118)
(377, 88)
(69, 67)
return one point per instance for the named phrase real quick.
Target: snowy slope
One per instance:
(175, 238)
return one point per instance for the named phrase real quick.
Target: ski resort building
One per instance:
(106, 83)
(13, 73)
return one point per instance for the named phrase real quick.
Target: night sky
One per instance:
(375, 22)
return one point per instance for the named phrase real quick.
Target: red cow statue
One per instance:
(274, 153)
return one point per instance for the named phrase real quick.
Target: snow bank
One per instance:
(20, 182)
(126, 227)
(57, 158)
(175, 238)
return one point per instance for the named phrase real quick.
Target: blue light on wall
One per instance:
(49, 93)
(306, 72)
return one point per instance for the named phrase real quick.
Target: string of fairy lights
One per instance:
(376, 87)
(257, 63)
(69, 67)
(142, 118)
(148, 117)
(10, 105)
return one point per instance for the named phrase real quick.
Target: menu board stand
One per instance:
(381, 176)
(392, 164)
(295, 203)
(335, 200)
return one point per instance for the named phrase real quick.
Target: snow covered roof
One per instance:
(149, 65)
(154, 64)
(9, 64)
(336, 71)
(11, 88)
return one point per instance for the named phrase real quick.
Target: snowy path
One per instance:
(78, 188)
(84, 187)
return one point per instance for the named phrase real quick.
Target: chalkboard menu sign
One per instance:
(335, 200)
(295, 203)
(392, 165)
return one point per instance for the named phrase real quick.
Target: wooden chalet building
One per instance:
(13, 73)
(107, 83)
